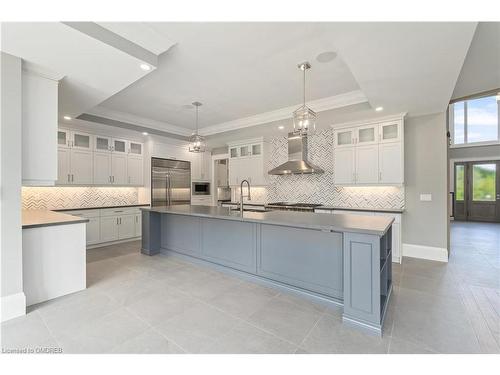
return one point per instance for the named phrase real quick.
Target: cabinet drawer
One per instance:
(347, 212)
(83, 213)
(118, 211)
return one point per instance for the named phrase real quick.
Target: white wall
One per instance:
(12, 297)
(425, 224)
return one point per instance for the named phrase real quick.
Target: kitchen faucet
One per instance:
(241, 195)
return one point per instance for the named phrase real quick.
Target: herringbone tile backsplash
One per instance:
(51, 198)
(320, 188)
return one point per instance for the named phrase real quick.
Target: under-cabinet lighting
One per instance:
(67, 118)
(379, 109)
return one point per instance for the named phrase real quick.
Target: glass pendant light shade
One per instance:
(304, 118)
(196, 141)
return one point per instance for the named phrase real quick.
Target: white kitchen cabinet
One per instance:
(39, 129)
(80, 141)
(390, 131)
(201, 200)
(344, 138)
(135, 148)
(74, 158)
(102, 168)
(119, 169)
(81, 167)
(200, 166)
(369, 154)
(63, 138)
(93, 230)
(391, 169)
(63, 166)
(126, 227)
(138, 224)
(102, 144)
(135, 170)
(344, 165)
(367, 135)
(367, 164)
(109, 228)
(248, 161)
(119, 146)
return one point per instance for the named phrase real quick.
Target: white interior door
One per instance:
(81, 167)
(367, 164)
(126, 227)
(102, 168)
(63, 166)
(343, 165)
(109, 228)
(135, 170)
(119, 169)
(391, 163)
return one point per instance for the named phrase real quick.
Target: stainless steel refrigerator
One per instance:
(170, 182)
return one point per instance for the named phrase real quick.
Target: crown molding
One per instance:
(369, 121)
(319, 105)
(140, 121)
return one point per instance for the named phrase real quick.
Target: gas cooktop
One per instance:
(298, 205)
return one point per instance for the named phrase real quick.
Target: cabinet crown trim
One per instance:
(379, 120)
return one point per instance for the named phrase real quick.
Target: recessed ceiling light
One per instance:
(145, 133)
(327, 56)
(378, 109)
(281, 127)
(145, 67)
(67, 118)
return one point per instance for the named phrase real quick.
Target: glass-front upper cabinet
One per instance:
(81, 140)
(256, 149)
(367, 134)
(390, 132)
(233, 152)
(102, 143)
(63, 136)
(119, 145)
(344, 137)
(244, 151)
(135, 148)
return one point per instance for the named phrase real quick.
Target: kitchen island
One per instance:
(338, 259)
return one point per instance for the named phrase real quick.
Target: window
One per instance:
(475, 121)
(459, 182)
(483, 182)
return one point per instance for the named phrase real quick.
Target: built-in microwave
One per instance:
(201, 188)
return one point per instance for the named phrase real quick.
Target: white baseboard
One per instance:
(13, 305)
(439, 254)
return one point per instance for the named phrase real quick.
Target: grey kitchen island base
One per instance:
(346, 268)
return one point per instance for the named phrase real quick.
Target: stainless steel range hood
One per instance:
(297, 158)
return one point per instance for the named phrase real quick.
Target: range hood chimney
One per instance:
(297, 158)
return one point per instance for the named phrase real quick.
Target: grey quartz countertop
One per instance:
(45, 218)
(377, 225)
(387, 210)
(99, 207)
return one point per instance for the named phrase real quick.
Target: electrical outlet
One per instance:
(426, 197)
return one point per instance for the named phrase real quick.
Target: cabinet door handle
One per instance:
(68, 177)
(109, 178)
(72, 178)
(116, 221)
(120, 221)
(380, 176)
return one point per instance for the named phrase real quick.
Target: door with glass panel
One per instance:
(477, 191)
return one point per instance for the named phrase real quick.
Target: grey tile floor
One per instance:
(140, 304)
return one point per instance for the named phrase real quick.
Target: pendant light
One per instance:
(197, 142)
(304, 118)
